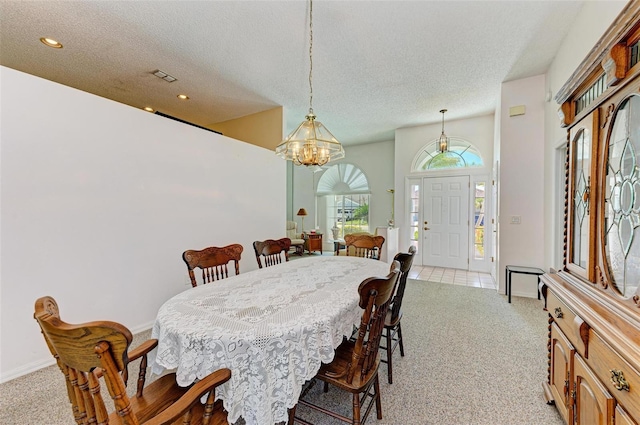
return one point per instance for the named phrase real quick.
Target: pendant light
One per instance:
(443, 141)
(311, 143)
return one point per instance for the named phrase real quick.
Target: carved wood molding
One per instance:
(565, 243)
(584, 336)
(564, 114)
(600, 278)
(629, 17)
(614, 64)
(607, 115)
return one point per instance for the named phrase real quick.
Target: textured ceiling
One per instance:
(377, 65)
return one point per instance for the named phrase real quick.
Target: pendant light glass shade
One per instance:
(443, 141)
(311, 143)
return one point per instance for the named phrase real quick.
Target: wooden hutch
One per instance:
(594, 302)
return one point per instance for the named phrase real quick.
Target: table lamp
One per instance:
(301, 213)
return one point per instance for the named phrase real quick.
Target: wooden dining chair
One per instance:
(272, 251)
(392, 333)
(213, 262)
(362, 245)
(354, 367)
(95, 352)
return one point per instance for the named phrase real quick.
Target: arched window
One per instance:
(344, 192)
(461, 154)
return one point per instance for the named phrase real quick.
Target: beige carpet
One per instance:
(471, 358)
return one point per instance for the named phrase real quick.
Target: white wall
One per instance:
(521, 181)
(99, 200)
(477, 130)
(376, 162)
(592, 22)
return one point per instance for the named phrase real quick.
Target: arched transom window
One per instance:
(343, 178)
(461, 154)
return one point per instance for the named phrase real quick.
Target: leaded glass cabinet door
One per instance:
(581, 222)
(622, 199)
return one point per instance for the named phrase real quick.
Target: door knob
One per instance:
(426, 228)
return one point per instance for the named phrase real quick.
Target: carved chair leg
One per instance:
(356, 409)
(400, 339)
(376, 387)
(389, 357)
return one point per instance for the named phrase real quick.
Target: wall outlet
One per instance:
(515, 219)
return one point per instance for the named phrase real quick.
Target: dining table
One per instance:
(272, 327)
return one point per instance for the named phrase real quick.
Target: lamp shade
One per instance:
(302, 212)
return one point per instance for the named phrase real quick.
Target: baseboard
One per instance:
(142, 328)
(41, 364)
(524, 294)
(26, 369)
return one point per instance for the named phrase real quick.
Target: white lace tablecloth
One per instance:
(272, 327)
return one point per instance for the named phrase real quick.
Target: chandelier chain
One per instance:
(311, 56)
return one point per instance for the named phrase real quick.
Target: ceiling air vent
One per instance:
(161, 74)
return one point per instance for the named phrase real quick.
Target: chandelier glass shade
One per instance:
(311, 143)
(443, 141)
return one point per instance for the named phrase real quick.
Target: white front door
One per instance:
(446, 222)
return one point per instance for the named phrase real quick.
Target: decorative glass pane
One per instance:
(634, 56)
(479, 221)
(581, 178)
(414, 214)
(460, 154)
(622, 198)
(591, 94)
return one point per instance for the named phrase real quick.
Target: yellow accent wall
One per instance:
(263, 129)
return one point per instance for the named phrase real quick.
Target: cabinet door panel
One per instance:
(562, 353)
(622, 198)
(583, 140)
(593, 403)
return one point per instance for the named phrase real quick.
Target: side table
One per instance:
(522, 270)
(313, 242)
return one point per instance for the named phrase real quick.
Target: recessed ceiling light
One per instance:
(149, 109)
(183, 97)
(50, 42)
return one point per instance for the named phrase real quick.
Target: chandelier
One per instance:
(443, 141)
(311, 143)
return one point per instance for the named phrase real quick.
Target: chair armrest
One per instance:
(191, 397)
(142, 349)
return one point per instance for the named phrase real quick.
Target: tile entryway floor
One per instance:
(452, 276)
(441, 275)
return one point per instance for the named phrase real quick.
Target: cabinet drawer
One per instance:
(567, 321)
(603, 360)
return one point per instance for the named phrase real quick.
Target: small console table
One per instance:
(522, 270)
(313, 242)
